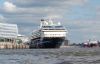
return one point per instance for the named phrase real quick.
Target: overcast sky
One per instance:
(80, 17)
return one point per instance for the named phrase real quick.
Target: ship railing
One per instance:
(53, 29)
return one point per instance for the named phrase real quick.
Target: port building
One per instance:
(22, 39)
(8, 32)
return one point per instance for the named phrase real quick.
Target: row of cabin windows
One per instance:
(53, 29)
(54, 34)
(52, 26)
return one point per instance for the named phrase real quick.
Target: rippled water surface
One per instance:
(73, 55)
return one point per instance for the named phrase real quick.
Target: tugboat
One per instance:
(49, 35)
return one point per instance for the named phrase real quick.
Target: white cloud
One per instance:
(77, 2)
(98, 12)
(26, 12)
(9, 7)
(2, 18)
(53, 16)
(34, 6)
(48, 2)
(52, 6)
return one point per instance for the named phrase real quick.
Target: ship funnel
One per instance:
(42, 19)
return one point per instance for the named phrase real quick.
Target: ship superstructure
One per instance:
(49, 35)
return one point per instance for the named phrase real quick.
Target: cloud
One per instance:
(2, 19)
(43, 6)
(9, 7)
(43, 3)
(27, 14)
(76, 2)
(97, 12)
(53, 16)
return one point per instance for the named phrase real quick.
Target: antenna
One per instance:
(41, 23)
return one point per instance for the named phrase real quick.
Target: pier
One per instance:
(13, 46)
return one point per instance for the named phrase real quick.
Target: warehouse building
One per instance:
(8, 33)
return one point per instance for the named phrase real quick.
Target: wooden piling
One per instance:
(13, 46)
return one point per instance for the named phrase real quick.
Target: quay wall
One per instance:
(9, 45)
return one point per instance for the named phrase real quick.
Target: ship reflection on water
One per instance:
(70, 55)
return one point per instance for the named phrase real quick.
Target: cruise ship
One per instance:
(49, 35)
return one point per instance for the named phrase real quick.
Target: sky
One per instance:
(80, 17)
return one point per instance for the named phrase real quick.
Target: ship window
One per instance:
(58, 26)
(47, 26)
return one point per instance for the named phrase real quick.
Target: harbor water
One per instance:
(70, 55)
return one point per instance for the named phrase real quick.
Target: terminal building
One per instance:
(8, 33)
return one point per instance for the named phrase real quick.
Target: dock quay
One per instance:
(9, 38)
(13, 46)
